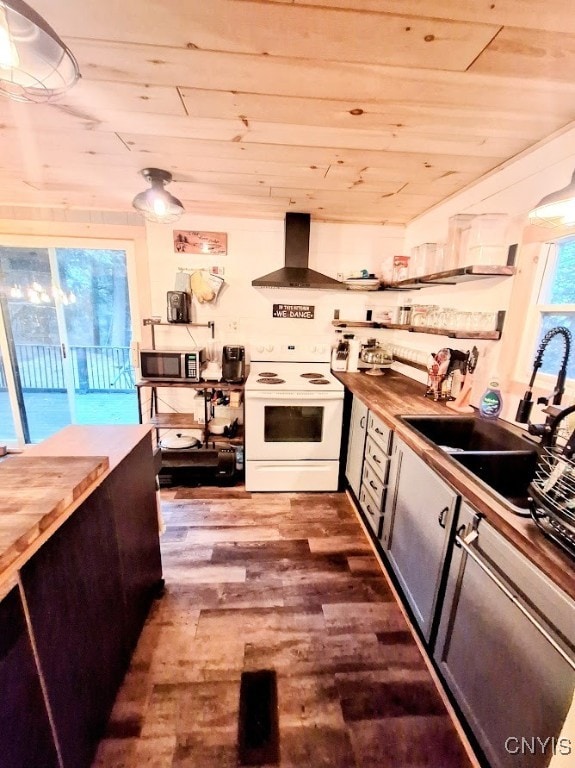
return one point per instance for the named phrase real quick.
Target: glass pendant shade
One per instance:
(35, 65)
(157, 204)
(556, 209)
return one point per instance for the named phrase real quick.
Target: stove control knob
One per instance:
(313, 349)
(260, 348)
(270, 348)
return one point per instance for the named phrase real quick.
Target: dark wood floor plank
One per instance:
(285, 582)
(257, 551)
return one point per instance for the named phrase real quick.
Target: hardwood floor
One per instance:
(285, 582)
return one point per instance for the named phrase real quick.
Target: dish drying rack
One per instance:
(552, 489)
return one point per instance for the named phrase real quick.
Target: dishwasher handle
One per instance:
(465, 543)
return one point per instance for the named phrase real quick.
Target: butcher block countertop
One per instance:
(42, 486)
(394, 394)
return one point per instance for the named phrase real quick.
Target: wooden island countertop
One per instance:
(393, 395)
(43, 485)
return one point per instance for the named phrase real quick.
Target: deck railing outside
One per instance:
(96, 369)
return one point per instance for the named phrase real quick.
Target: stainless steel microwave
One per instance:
(171, 365)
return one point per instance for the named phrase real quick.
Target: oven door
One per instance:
(293, 425)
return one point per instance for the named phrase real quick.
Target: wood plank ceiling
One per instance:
(353, 110)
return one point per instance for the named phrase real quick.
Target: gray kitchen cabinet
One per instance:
(504, 645)
(418, 518)
(356, 444)
(375, 472)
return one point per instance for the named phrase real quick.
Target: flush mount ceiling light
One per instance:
(556, 209)
(35, 65)
(156, 204)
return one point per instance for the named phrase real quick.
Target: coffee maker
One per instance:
(233, 364)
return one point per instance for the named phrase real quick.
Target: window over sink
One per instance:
(556, 302)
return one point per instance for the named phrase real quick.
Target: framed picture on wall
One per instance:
(213, 243)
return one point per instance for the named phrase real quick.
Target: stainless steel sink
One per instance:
(494, 454)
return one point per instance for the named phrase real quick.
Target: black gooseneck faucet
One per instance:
(525, 405)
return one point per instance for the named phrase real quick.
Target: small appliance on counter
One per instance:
(171, 365)
(213, 368)
(233, 364)
(339, 355)
(178, 308)
(180, 441)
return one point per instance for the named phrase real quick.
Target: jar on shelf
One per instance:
(405, 314)
(455, 254)
(400, 268)
(423, 260)
(386, 270)
(487, 239)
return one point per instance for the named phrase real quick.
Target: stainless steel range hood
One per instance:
(296, 273)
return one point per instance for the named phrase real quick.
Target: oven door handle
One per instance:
(291, 395)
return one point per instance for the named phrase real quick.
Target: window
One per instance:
(65, 339)
(556, 304)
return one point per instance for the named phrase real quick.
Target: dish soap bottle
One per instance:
(491, 401)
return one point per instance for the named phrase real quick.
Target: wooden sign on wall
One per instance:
(200, 242)
(297, 311)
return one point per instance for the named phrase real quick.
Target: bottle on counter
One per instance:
(353, 349)
(491, 401)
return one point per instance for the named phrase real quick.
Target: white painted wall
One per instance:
(242, 313)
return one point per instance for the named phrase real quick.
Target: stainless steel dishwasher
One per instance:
(505, 647)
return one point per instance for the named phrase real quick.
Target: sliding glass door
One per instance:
(67, 330)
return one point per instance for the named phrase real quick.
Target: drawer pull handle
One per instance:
(441, 518)
(374, 457)
(378, 430)
(362, 422)
(488, 571)
(373, 485)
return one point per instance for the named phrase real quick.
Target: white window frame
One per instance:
(50, 241)
(548, 254)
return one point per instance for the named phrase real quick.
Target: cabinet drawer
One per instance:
(371, 510)
(378, 459)
(373, 483)
(377, 430)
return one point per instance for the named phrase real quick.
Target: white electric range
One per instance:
(293, 419)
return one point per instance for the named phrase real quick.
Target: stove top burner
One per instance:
(268, 375)
(270, 380)
(319, 381)
(311, 375)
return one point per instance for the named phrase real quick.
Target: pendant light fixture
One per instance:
(556, 209)
(157, 204)
(35, 65)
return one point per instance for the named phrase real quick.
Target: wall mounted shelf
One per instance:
(153, 323)
(449, 277)
(451, 333)
(455, 276)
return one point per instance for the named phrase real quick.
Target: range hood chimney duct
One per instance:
(295, 273)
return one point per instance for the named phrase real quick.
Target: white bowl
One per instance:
(362, 284)
(218, 425)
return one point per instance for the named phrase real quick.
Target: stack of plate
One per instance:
(362, 283)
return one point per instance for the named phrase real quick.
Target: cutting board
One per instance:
(34, 492)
